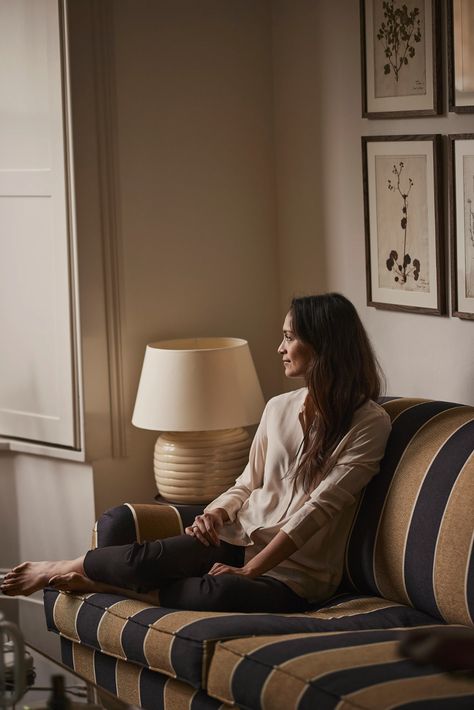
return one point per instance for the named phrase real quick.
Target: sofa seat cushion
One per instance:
(345, 670)
(180, 644)
(136, 686)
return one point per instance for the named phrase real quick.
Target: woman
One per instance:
(274, 541)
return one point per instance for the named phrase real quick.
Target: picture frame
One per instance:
(460, 18)
(401, 78)
(461, 180)
(403, 199)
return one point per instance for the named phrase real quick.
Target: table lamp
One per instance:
(199, 392)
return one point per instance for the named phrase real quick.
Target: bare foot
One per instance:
(29, 577)
(74, 582)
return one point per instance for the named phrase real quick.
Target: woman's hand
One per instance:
(244, 571)
(205, 526)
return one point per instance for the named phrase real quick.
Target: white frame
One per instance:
(422, 104)
(402, 148)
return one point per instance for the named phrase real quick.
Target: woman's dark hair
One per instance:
(343, 374)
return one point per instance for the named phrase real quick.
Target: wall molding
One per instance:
(111, 235)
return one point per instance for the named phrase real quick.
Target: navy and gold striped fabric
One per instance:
(180, 643)
(359, 670)
(412, 540)
(133, 684)
(409, 562)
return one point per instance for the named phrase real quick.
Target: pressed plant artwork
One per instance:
(399, 33)
(399, 66)
(402, 266)
(402, 223)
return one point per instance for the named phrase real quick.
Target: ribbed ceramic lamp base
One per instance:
(195, 467)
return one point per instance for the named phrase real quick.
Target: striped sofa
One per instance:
(409, 563)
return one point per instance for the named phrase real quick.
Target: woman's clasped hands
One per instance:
(205, 527)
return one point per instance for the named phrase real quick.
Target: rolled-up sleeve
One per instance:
(252, 477)
(355, 461)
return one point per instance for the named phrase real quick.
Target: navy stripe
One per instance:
(152, 690)
(187, 658)
(116, 527)
(427, 517)
(104, 667)
(187, 513)
(66, 652)
(135, 631)
(314, 697)
(247, 682)
(362, 540)
(351, 680)
(49, 598)
(201, 701)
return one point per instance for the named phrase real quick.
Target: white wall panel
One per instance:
(37, 397)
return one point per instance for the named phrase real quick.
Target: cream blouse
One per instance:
(265, 499)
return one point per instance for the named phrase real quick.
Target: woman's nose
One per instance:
(281, 348)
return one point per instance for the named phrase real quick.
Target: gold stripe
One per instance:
(112, 624)
(127, 677)
(177, 695)
(66, 608)
(223, 666)
(288, 680)
(335, 659)
(161, 634)
(405, 690)
(281, 690)
(83, 660)
(402, 497)
(156, 521)
(454, 548)
(352, 607)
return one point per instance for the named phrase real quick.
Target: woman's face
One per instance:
(297, 356)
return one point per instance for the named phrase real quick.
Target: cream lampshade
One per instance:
(199, 392)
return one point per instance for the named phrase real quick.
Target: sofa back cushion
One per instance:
(412, 537)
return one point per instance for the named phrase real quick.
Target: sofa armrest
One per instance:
(132, 522)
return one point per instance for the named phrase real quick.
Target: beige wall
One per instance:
(318, 126)
(196, 152)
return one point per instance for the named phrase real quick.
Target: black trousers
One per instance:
(178, 566)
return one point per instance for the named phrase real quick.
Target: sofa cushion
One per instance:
(136, 686)
(350, 670)
(180, 643)
(412, 536)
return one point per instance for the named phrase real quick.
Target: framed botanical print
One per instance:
(403, 225)
(400, 52)
(461, 55)
(461, 172)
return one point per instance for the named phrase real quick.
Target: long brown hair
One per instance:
(343, 374)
